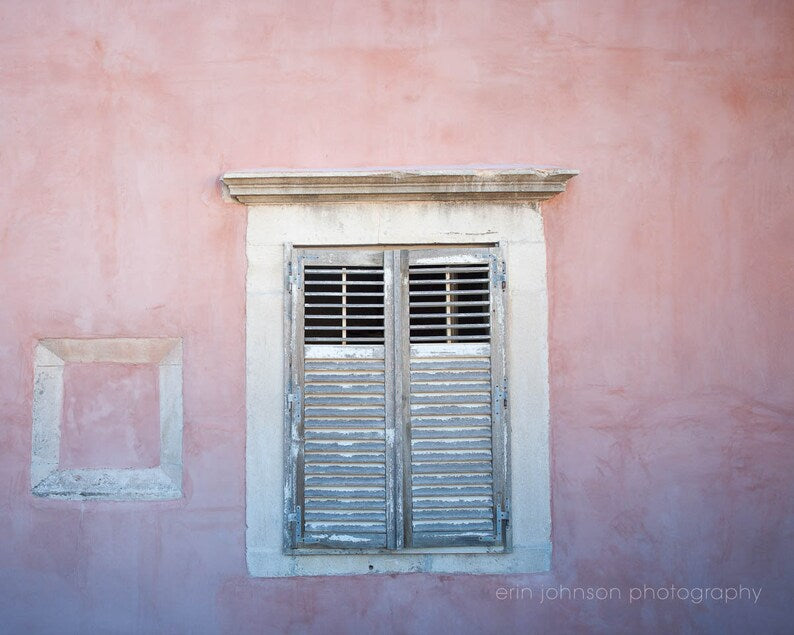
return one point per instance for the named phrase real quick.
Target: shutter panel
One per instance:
(361, 358)
(341, 366)
(455, 456)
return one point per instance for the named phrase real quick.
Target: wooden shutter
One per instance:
(396, 399)
(454, 456)
(339, 405)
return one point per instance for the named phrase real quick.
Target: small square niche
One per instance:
(111, 415)
(107, 419)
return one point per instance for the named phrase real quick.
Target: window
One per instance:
(402, 308)
(396, 406)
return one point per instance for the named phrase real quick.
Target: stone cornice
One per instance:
(520, 183)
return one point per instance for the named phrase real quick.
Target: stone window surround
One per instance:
(119, 484)
(396, 207)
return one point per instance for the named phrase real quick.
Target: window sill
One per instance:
(533, 558)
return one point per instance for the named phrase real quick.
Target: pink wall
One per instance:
(670, 281)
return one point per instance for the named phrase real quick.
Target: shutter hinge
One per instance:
(296, 519)
(294, 274)
(294, 400)
(502, 274)
(501, 520)
(499, 272)
(503, 514)
(500, 399)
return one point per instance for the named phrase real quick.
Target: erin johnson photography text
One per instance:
(644, 593)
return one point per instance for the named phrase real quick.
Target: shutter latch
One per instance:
(296, 519)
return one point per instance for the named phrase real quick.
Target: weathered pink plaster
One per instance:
(111, 416)
(670, 264)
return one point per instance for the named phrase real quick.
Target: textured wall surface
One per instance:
(110, 416)
(670, 286)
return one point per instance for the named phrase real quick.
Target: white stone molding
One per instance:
(261, 187)
(155, 483)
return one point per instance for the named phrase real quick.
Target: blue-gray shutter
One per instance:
(397, 434)
(341, 407)
(455, 446)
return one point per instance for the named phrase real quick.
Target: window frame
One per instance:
(396, 261)
(387, 207)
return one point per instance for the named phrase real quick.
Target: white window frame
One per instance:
(397, 208)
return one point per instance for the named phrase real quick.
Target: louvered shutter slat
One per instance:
(348, 463)
(440, 514)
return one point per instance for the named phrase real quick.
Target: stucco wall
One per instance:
(669, 260)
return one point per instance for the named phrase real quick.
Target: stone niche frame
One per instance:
(396, 207)
(119, 484)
